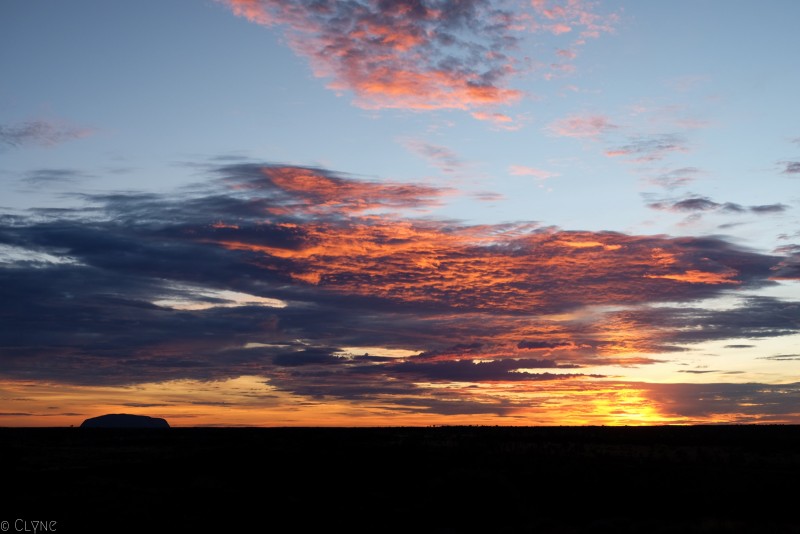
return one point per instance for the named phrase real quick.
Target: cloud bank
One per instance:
(283, 272)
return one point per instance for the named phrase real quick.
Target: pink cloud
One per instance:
(558, 29)
(499, 120)
(568, 54)
(588, 126)
(559, 69)
(539, 174)
(41, 133)
(563, 16)
(415, 55)
(400, 54)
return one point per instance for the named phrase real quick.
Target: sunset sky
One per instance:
(400, 212)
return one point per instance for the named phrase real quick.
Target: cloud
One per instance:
(306, 190)
(567, 54)
(539, 174)
(647, 148)
(581, 126)
(790, 167)
(39, 133)
(439, 156)
(282, 270)
(535, 345)
(753, 318)
(478, 371)
(400, 54)
(559, 17)
(782, 357)
(676, 177)
(728, 403)
(421, 55)
(769, 208)
(699, 204)
(499, 120)
(44, 177)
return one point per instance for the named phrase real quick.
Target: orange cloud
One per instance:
(480, 268)
(410, 55)
(400, 55)
(307, 284)
(304, 191)
(500, 120)
(491, 271)
(700, 277)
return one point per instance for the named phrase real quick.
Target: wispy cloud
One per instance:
(648, 148)
(695, 204)
(559, 17)
(43, 177)
(500, 120)
(522, 170)
(445, 159)
(675, 178)
(582, 126)
(791, 168)
(40, 133)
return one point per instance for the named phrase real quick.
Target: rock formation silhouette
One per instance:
(124, 420)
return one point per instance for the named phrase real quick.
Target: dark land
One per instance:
(124, 420)
(438, 480)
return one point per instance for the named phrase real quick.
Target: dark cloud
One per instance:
(697, 204)
(132, 290)
(479, 371)
(790, 167)
(782, 357)
(769, 208)
(44, 177)
(789, 250)
(739, 346)
(314, 356)
(39, 133)
(542, 344)
(647, 148)
(732, 403)
(755, 317)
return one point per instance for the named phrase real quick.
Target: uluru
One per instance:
(124, 420)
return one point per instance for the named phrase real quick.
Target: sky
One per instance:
(406, 212)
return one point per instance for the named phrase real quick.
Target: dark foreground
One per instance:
(442, 480)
